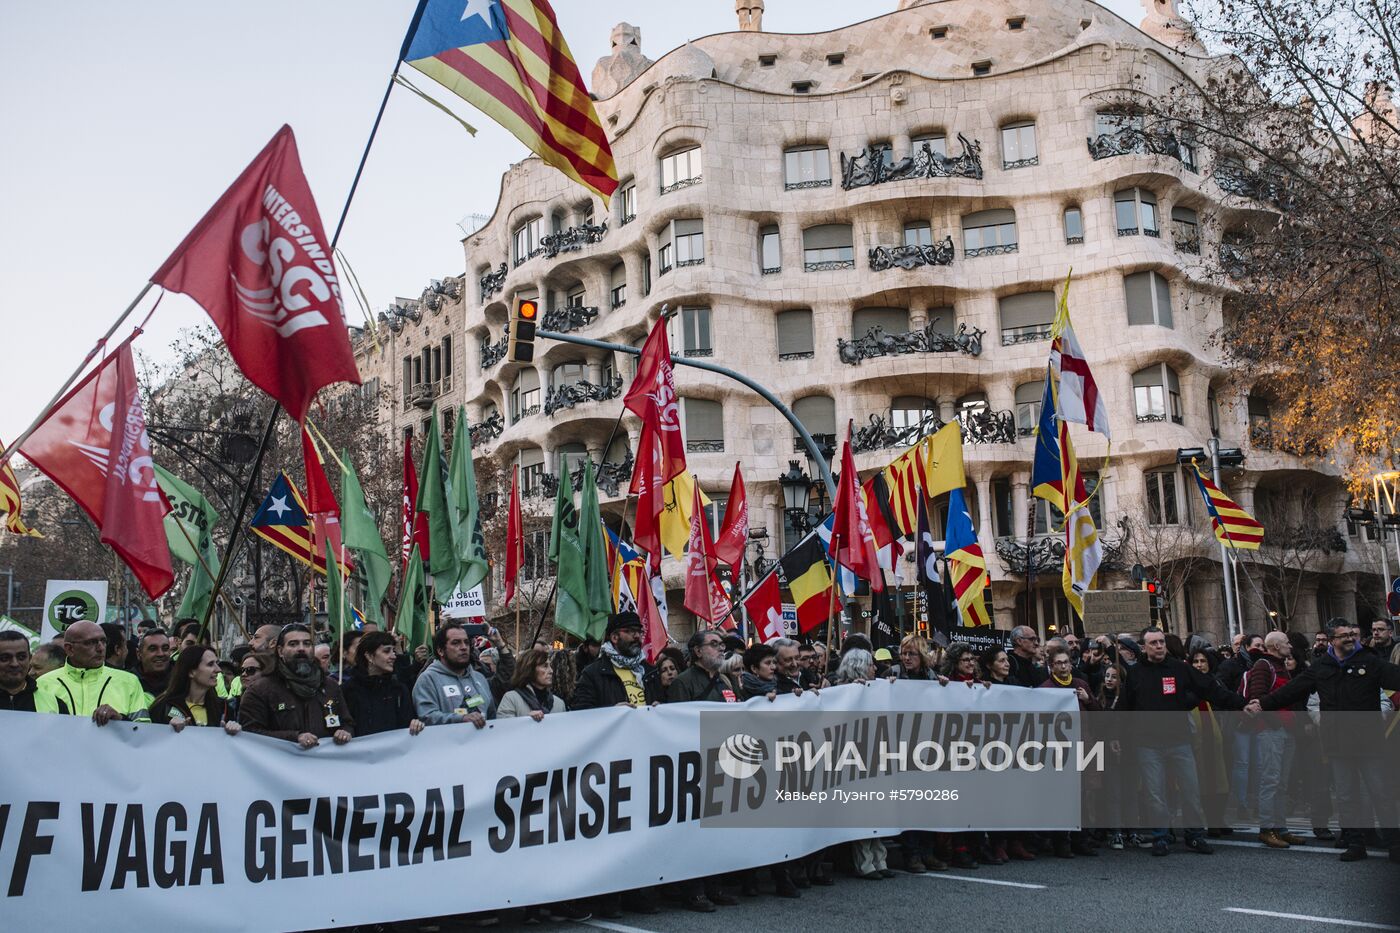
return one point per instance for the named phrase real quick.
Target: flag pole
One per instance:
(228, 603)
(835, 584)
(237, 528)
(68, 383)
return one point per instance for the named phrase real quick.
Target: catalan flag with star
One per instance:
(966, 565)
(282, 521)
(508, 59)
(1233, 526)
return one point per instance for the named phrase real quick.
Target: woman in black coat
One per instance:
(378, 700)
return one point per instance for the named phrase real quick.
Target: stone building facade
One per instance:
(874, 222)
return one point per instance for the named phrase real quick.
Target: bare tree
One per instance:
(1174, 554)
(1297, 542)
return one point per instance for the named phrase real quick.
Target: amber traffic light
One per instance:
(521, 348)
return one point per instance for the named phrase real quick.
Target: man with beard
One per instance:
(619, 676)
(296, 701)
(153, 663)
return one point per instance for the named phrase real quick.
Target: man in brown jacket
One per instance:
(296, 701)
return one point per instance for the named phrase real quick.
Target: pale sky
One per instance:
(123, 122)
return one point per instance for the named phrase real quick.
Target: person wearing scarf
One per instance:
(760, 675)
(296, 701)
(529, 693)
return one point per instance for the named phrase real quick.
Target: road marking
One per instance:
(615, 927)
(1332, 920)
(1006, 884)
(1315, 850)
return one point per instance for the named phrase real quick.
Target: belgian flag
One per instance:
(809, 578)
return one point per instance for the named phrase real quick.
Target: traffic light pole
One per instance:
(1225, 556)
(814, 452)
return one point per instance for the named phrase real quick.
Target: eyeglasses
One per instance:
(89, 642)
(711, 643)
(249, 671)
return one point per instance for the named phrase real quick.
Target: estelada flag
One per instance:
(509, 59)
(652, 395)
(765, 608)
(809, 579)
(93, 444)
(283, 522)
(260, 264)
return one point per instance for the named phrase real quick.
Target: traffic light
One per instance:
(1155, 591)
(521, 348)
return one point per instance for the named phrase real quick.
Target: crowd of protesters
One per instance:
(1187, 771)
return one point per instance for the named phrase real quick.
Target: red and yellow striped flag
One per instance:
(1233, 526)
(508, 59)
(10, 504)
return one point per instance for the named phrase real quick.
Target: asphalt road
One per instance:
(1244, 888)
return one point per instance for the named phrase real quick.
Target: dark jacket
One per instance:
(694, 684)
(599, 686)
(269, 707)
(1352, 684)
(1092, 674)
(1232, 670)
(378, 702)
(154, 684)
(215, 710)
(1170, 686)
(1090, 705)
(1025, 672)
(21, 702)
(788, 685)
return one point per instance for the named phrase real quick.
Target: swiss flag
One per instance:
(765, 608)
(653, 394)
(260, 264)
(734, 533)
(93, 444)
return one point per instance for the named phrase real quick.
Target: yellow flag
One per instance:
(943, 460)
(675, 520)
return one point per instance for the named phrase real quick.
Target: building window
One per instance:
(617, 286)
(817, 413)
(525, 395)
(938, 32)
(767, 61)
(681, 169)
(827, 247)
(1157, 394)
(807, 167)
(1015, 23)
(566, 374)
(795, 335)
(664, 252)
(1018, 145)
(1026, 318)
(937, 144)
(911, 416)
(646, 274)
(1162, 497)
(1074, 225)
(770, 250)
(527, 239)
(1261, 422)
(836, 58)
(889, 320)
(1186, 231)
(1028, 398)
(704, 425)
(574, 297)
(567, 459)
(695, 332)
(627, 203)
(690, 242)
(531, 471)
(981, 68)
(802, 87)
(918, 233)
(1002, 509)
(1107, 123)
(1135, 210)
(1149, 298)
(987, 233)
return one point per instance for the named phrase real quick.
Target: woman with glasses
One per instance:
(254, 665)
(190, 699)
(916, 662)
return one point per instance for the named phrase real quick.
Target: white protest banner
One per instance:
(468, 605)
(135, 827)
(69, 601)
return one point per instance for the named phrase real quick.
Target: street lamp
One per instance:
(797, 490)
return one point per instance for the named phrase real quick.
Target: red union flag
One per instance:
(260, 265)
(93, 444)
(734, 533)
(653, 395)
(704, 595)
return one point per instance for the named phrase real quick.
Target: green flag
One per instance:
(337, 613)
(595, 559)
(189, 532)
(471, 541)
(361, 535)
(571, 611)
(411, 620)
(433, 499)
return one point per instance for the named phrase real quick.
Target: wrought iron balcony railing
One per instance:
(877, 343)
(878, 434)
(1247, 184)
(1020, 163)
(911, 256)
(830, 265)
(488, 428)
(569, 318)
(493, 353)
(1000, 249)
(493, 282)
(573, 239)
(982, 426)
(705, 446)
(814, 183)
(570, 394)
(870, 168)
(1133, 141)
(1011, 336)
(683, 183)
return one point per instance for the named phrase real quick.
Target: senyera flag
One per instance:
(260, 264)
(93, 444)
